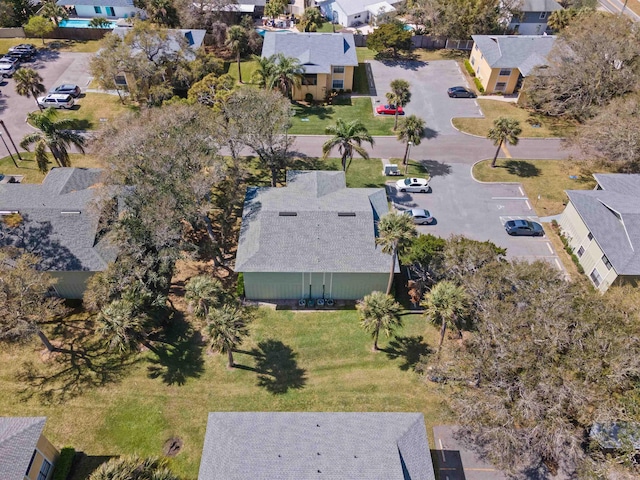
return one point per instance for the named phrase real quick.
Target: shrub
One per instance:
(567, 247)
(469, 68)
(308, 97)
(64, 463)
(240, 286)
(479, 86)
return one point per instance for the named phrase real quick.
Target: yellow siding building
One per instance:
(501, 62)
(25, 453)
(602, 227)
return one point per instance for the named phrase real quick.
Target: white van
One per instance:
(56, 100)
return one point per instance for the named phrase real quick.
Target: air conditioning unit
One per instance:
(320, 302)
(391, 170)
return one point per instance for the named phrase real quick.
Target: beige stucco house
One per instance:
(501, 62)
(603, 229)
(25, 453)
(329, 59)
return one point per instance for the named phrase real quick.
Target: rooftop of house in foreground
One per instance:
(18, 439)
(314, 224)
(305, 446)
(523, 52)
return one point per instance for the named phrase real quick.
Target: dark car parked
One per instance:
(524, 228)
(68, 89)
(460, 92)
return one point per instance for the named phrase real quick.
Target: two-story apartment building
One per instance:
(501, 62)
(351, 13)
(531, 17)
(329, 59)
(603, 229)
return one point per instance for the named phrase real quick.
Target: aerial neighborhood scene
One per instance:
(339, 239)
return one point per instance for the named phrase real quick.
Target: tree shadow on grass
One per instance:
(521, 168)
(409, 349)
(178, 353)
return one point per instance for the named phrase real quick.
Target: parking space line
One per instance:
(520, 190)
(549, 247)
(528, 206)
(442, 450)
(558, 264)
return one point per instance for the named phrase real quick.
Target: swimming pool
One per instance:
(262, 30)
(82, 23)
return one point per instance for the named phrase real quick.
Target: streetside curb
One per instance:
(489, 183)
(329, 136)
(480, 136)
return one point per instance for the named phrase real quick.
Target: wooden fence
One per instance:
(60, 33)
(426, 41)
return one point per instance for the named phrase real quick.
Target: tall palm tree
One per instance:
(560, 19)
(348, 137)
(265, 71)
(52, 134)
(227, 327)
(379, 311)
(444, 305)
(204, 292)
(133, 467)
(504, 130)
(53, 11)
(399, 96)
(396, 230)
(411, 130)
(287, 74)
(29, 84)
(237, 43)
(121, 325)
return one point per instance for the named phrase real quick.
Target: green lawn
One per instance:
(83, 46)
(547, 178)
(492, 109)
(318, 362)
(29, 169)
(360, 81)
(247, 67)
(95, 109)
(313, 120)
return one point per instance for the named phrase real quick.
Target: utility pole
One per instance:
(406, 157)
(10, 139)
(7, 147)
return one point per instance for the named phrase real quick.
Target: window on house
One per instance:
(44, 470)
(481, 56)
(121, 80)
(543, 15)
(356, 16)
(310, 79)
(590, 236)
(501, 86)
(97, 9)
(505, 72)
(477, 47)
(473, 61)
(606, 262)
(478, 71)
(595, 277)
(33, 457)
(580, 251)
(338, 69)
(338, 84)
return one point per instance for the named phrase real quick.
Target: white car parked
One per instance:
(56, 100)
(420, 216)
(7, 69)
(419, 185)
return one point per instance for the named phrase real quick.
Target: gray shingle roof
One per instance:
(523, 52)
(317, 52)
(303, 446)
(612, 215)
(52, 228)
(539, 6)
(18, 439)
(317, 238)
(98, 3)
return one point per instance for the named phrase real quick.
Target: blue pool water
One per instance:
(408, 27)
(262, 30)
(81, 23)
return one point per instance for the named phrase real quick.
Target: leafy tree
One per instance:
(99, 22)
(52, 11)
(463, 257)
(29, 84)
(133, 467)
(390, 36)
(227, 327)
(274, 8)
(287, 73)
(25, 302)
(52, 134)
(348, 137)
(7, 15)
(424, 256)
(396, 231)
(460, 19)
(112, 61)
(411, 130)
(399, 95)
(560, 19)
(237, 42)
(204, 292)
(38, 26)
(592, 62)
(122, 324)
(505, 130)
(379, 311)
(161, 12)
(311, 20)
(444, 305)
(212, 90)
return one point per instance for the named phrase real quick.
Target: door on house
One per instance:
(110, 11)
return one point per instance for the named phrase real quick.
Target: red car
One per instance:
(388, 110)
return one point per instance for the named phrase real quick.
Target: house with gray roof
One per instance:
(602, 227)
(58, 221)
(501, 62)
(352, 13)
(530, 17)
(313, 239)
(25, 453)
(310, 445)
(104, 8)
(329, 59)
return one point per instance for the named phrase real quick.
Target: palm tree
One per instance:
(237, 42)
(560, 19)
(202, 293)
(444, 305)
(99, 22)
(348, 137)
(287, 74)
(121, 325)
(411, 130)
(53, 11)
(396, 230)
(399, 96)
(56, 135)
(379, 311)
(227, 326)
(504, 130)
(29, 84)
(264, 72)
(133, 467)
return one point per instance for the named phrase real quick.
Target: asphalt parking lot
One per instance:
(429, 82)
(462, 206)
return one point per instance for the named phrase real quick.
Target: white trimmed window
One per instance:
(595, 277)
(580, 251)
(543, 15)
(44, 470)
(606, 262)
(338, 84)
(338, 69)
(505, 72)
(501, 86)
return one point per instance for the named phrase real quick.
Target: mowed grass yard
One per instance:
(79, 46)
(492, 109)
(305, 362)
(29, 168)
(92, 110)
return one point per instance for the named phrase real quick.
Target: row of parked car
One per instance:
(17, 55)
